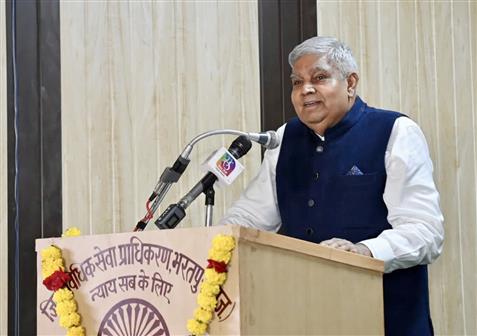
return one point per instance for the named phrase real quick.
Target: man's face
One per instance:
(319, 95)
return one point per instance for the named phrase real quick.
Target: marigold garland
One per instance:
(214, 277)
(55, 278)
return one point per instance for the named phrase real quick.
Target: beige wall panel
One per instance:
(389, 56)
(328, 25)
(125, 44)
(473, 43)
(100, 114)
(75, 141)
(154, 75)
(350, 22)
(451, 308)
(446, 300)
(407, 56)
(372, 57)
(466, 162)
(229, 70)
(427, 93)
(249, 86)
(203, 39)
(169, 76)
(3, 179)
(350, 32)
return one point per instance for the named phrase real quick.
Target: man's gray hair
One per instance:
(337, 53)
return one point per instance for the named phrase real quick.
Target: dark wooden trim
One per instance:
(35, 210)
(282, 25)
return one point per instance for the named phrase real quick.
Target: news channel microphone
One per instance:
(222, 166)
(171, 175)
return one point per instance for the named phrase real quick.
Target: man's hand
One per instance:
(345, 245)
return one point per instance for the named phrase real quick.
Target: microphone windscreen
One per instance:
(240, 146)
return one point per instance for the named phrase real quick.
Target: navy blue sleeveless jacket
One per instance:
(334, 188)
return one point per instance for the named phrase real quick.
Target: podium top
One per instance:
(241, 233)
(301, 246)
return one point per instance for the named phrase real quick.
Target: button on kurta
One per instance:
(311, 203)
(310, 231)
(317, 175)
(319, 149)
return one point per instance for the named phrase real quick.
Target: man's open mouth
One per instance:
(311, 103)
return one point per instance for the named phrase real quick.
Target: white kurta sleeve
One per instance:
(412, 200)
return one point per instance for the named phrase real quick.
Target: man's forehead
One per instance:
(311, 64)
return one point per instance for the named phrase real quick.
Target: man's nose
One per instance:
(308, 88)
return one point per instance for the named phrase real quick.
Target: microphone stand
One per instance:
(209, 205)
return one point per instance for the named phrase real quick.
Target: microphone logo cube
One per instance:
(226, 164)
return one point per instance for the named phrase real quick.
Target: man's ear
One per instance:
(352, 82)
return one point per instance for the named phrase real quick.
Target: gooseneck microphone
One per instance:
(171, 175)
(268, 139)
(176, 212)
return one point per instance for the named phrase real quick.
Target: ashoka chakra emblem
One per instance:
(132, 317)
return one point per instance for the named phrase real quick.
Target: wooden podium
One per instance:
(148, 282)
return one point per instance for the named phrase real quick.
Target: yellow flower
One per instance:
(206, 302)
(70, 320)
(76, 331)
(66, 307)
(196, 327)
(214, 278)
(71, 232)
(50, 265)
(62, 294)
(51, 252)
(209, 289)
(204, 316)
(223, 242)
(221, 251)
(220, 255)
(51, 262)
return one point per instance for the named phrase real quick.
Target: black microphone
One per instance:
(176, 212)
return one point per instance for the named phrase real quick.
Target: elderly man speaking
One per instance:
(352, 177)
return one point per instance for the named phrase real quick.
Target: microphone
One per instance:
(171, 175)
(176, 212)
(268, 139)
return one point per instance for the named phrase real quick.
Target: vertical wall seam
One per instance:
(111, 111)
(436, 92)
(280, 54)
(416, 38)
(361, 44)
(340, 21)
(398, 28)
(242, 78)
(155, 103)
(458, 170)
(380, 54)
(180, 84)
(40, 110)
(89, 123)
(472, 99)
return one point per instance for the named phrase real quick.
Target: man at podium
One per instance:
(352, 177)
